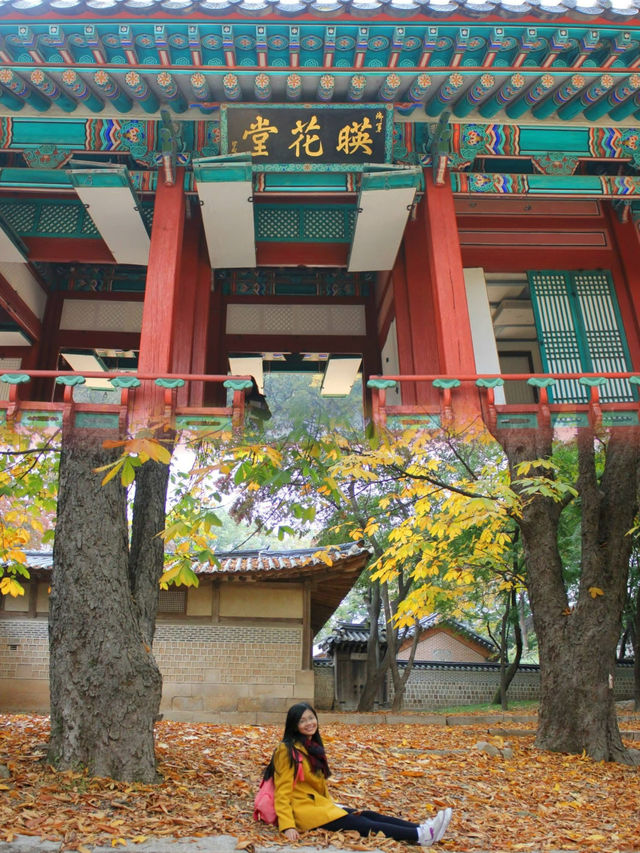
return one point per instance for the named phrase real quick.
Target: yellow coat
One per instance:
(305, 804)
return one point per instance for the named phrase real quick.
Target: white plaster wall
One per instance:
(390, 364)
(484, 341)
(25, 284)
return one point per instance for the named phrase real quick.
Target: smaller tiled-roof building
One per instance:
(444, 639)
(237, 646)
(441, 639)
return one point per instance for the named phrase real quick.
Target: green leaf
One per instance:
(128, 472)
(285, 530)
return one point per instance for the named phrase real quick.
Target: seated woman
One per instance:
(300, 771)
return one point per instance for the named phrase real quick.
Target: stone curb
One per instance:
(210, 844)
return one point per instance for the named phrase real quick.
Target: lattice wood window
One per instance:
(172, 601)
(580, 331)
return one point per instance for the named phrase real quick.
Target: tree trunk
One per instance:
(508, 670)
(636, 654)
(522, 624)
(105, 684)
(146, 557)
(375, 672)
(500, 697)
(578, 644)
(400, 681)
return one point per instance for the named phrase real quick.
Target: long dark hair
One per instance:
(291, 735)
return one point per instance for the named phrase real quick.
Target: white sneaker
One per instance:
(446, 818)
(426, 834)
(432, 830)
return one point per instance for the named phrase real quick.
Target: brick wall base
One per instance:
(442, 685)
(210, 672)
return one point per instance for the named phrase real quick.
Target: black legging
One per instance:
(365, 822)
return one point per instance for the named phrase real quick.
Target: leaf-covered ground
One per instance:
(532, 801)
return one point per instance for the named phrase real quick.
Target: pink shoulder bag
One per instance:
(263, 805)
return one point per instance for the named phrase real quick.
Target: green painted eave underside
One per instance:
(274, 41)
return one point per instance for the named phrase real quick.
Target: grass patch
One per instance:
(487, 708)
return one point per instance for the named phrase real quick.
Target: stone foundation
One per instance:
(210, 672)
(445, 685)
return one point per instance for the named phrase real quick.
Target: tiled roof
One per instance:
(328, 9)
(356, 634)
(350, 633)
(263, 561)
(274, 562)
(335, 574)
(42, 560)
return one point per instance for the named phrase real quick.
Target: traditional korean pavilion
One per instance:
(439, 194)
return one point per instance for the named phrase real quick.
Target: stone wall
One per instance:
(441, 685)
(24, 665)
(210, 672)
(432, 685)
(324, 685)
(213, 670)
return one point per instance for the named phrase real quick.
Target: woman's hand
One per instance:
(291, 834)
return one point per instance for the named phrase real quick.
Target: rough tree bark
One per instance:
(577, 642)
(508, 670)
(146, 556)
(375, 669)
(400, 681)
(104, 682)
(636, 654)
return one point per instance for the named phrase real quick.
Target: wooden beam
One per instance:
(511, 221)
(496, 259)
(296, 343)
(65, 250)
(302, 254)
(73, 339)
(19, 311)
(16, 352)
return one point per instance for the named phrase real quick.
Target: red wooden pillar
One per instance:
(161, 289)
(371, 358)
(440, 235)
(200, 343)
(626, 244)
(415, 314)
(420, 309)
(217, 355)
(402, 313)
(44, 353)
(184, 320)
(432, 318)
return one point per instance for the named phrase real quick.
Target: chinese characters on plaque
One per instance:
(308, 135)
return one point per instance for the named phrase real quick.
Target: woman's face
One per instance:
(308, 724)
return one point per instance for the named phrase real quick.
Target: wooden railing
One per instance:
(145, 399)
(454, 398)
(150, 399)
